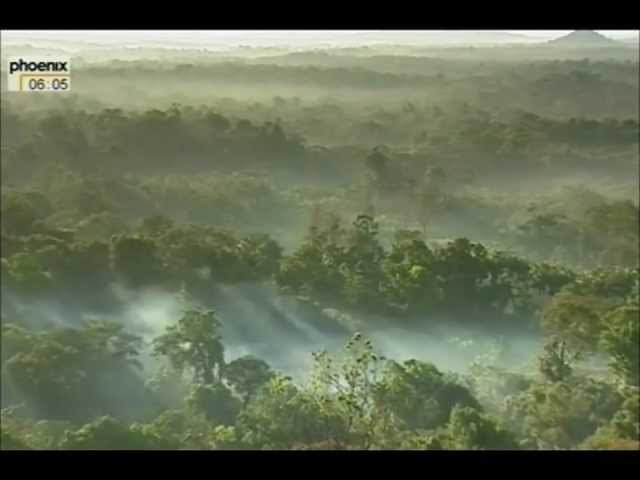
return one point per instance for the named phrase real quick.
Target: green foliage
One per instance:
(20, 211)
(9, 442)
(626, 421)
(352, 387)
(20, 432)
(408, 280)
(182, 429)
(555, 361)
(60, 372)
(615, 283)
(377, 162)
(421, 396)
(561, 415)
(136, 259)
(25, 273)
(260, 254)
(100, 227)
(413, 279)
(313, 269)
(194, 343)
(341, 407)
(156, 225)
(15, 339)
(264, 421)
(226, 438)
(282, 416)
(469, 429)
(577, 319)
(107, 433)
(421, 441)
(621, 340)
(197, 254)
(550, 278)
(491, 385)
(604, 440)
(216, 402)
(246, 375)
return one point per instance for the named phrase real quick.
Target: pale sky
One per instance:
(288, 37)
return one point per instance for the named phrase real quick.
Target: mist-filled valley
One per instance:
(377, 245)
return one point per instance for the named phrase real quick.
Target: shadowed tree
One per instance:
(621, 340)
(555, 362)
(194, 343)
(247, 374)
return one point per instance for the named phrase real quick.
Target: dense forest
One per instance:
(382, 247)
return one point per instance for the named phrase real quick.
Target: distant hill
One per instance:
(583, 39)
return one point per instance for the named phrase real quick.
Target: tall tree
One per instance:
(194, 343)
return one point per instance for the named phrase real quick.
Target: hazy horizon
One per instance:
(292, 38)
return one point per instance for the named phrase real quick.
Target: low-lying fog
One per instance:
(284, 331)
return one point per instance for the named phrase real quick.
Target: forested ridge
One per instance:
(356, 249)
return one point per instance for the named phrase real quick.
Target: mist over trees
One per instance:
(382, 247)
